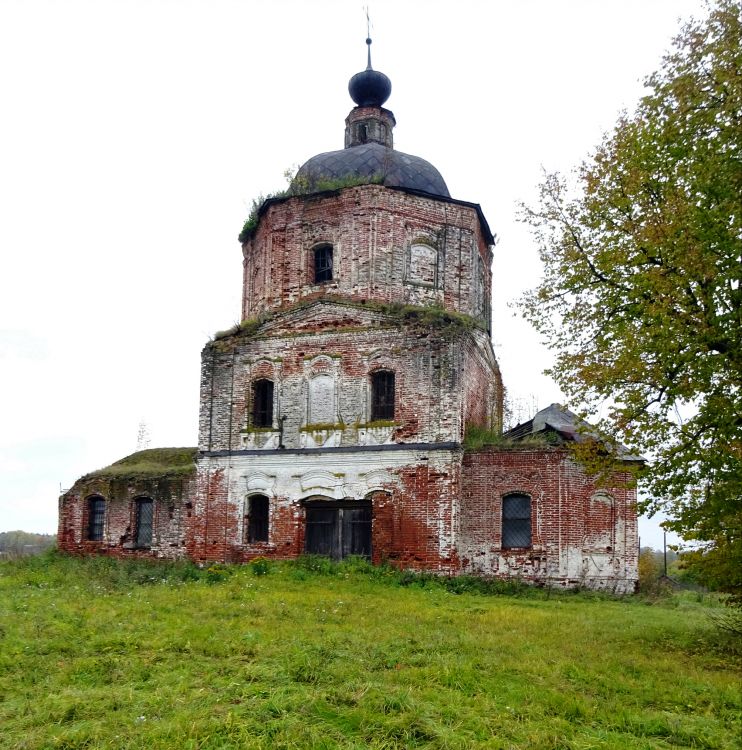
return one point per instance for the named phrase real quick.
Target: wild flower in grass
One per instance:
(259, 566)
(217, 573)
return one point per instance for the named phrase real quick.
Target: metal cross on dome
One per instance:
(368, 38)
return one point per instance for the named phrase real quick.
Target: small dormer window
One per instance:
(322, 264)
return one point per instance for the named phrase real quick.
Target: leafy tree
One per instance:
(650, 571)
(642, 291)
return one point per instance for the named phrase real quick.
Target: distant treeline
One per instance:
(19, 543)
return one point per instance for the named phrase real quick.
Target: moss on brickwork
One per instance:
(150, 464)
(429, 317)
(248, 327)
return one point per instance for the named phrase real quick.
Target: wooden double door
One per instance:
(338, 529)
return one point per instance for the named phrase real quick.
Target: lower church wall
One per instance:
(582, 535)
(411, 495)
(435, 510)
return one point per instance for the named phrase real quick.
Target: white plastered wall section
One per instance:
(338, 475)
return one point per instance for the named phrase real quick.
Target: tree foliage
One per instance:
(642, 291)
(22, 543)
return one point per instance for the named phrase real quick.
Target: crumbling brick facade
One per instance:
(583, 534)
(333, 420)
(171, 508)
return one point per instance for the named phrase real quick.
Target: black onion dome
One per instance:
(375, 162)
(370, 88)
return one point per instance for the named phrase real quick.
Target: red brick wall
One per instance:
(582, 534)
(171, 503)
(371, 229)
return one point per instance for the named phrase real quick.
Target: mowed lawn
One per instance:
(103, 654)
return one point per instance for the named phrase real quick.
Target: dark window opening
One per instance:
(145, 515)
(322, 263)
(257, 519)
(516, 521)
(262, 405)
(362, 133)
(96, 518)
(382, 395)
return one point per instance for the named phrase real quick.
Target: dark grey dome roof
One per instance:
(377, 163)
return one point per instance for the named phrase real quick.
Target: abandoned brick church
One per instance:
(337, 419)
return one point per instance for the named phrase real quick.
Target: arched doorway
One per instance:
(338, 528)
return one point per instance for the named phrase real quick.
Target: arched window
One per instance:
(262, 403)
(322, 263)
(96, 518)
(257, 519)
(516, 521)
(382, 395)
(422, 264)
(145, 517)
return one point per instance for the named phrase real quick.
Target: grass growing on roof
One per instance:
(153, 462)
(104, 654)
(432, 317)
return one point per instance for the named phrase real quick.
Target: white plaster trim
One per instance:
(321, 481)
(263, 440)
(259, 481)
(320, 438)
(377, 480)
(375, 435)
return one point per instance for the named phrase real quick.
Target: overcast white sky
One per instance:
(134, 135)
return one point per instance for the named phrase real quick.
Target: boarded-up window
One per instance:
(145, 515)
(262, 404)
(382, 395)
(338, 530)
(422, 266)
(516, 521)
(96, 518)
(322, 263)
(322, 400)
(257, 519)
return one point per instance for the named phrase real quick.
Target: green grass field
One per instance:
(102, 654)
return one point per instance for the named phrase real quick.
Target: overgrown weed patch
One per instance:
(101, 653)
